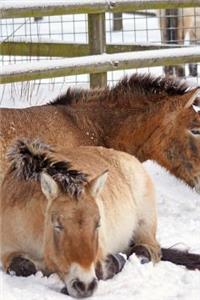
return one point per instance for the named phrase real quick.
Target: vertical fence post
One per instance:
(97, 45)
(117, 22)
(170, 35)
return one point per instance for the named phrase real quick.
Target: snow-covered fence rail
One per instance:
(10, 9)
(64, 49)
(96, 65)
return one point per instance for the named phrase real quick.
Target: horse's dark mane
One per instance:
(30, 158)
(147, 84)
(74, 95)
(137, 84)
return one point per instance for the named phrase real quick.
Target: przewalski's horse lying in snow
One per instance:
(149, 117)
(57, 219)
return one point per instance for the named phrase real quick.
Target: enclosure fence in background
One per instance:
(48, 44)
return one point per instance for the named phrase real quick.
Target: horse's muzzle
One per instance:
(81, 290)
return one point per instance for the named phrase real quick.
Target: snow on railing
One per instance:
(53, 48)
(19, 9)
(98, 64)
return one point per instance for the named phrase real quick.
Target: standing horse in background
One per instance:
(149, 117)
(57, 219)
(175, 24)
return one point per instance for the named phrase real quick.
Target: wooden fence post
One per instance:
(170, 35)
(97, 45)
(117, 22)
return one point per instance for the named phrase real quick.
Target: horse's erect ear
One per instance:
(96, 185)
(190, 97)
(49, 187)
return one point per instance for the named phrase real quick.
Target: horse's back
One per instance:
(124, 169)
(43, 122)
(94, 160)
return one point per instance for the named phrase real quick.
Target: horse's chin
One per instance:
(72, 293)
(75, 294)
(64, 291)
(197, 187)
(197, 184)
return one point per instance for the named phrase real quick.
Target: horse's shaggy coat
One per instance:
(149, 117)
(77, 229)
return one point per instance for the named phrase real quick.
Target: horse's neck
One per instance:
(91, 122)
(125, 130)
(29, 218)
(133, 136)
(122, 129)
(35, 221)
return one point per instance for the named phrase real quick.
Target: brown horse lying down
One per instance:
(57, 219)
(149, 117)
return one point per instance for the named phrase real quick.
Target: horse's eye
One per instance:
(97, 225)
(58, 227)
(195, 131)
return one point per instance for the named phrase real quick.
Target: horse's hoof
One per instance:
(142, 253)
(143, 259)
(119, 262)
(21, 267)
(111, 266)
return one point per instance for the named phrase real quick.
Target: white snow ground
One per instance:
(178, 223)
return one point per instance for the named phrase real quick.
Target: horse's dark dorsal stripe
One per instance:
(29, 159)
(137, 84)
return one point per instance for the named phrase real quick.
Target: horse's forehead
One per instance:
(77, 207)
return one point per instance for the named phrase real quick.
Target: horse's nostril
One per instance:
(85, 290)
(78, 285)
(93, 285)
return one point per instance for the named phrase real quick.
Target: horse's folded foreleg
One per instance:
(112, 265)
(21, 267)
(17, 264)
(145, 246)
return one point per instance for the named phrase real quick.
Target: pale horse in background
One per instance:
(183, 25)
